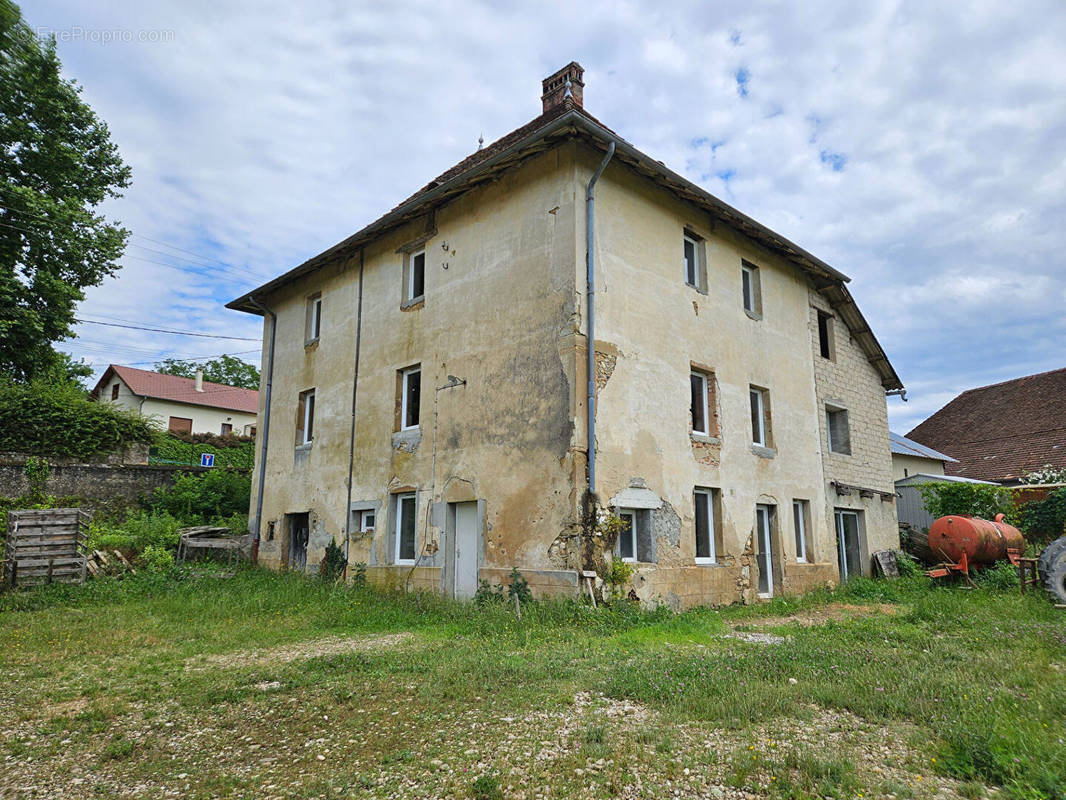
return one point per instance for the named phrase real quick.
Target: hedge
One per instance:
(235, 452)
(59, 421)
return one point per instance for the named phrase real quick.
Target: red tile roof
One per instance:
(1003, 431)
(158, 386)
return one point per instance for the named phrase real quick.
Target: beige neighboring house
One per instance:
(912, 458)
(429, 408)
(181, 405)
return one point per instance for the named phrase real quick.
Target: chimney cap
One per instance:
(563, 85)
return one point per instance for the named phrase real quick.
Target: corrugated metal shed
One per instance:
(910, 505)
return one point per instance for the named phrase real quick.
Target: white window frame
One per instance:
(403, 398)
(695, 266)
(363, 516)
(703, 377)
(764, 535)
(399, 526)
(308, 398)
(316, 317)
(799, 524)
(410, 295)
(842, 558)
(713, 558)
(748, 293)
(631, 514)
(759, 394)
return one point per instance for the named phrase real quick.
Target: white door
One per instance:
(465, 549)
(765, 555)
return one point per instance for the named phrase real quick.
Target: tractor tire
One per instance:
(1055, 579)
(1049, 555)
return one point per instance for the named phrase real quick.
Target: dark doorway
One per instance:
(299, 531)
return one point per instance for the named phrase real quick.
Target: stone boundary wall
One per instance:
(104, 482)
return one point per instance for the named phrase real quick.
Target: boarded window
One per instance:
(179, 425)
(839, 433)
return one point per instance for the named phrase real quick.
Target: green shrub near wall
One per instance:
(976, 499)
(59, 421)
(235, 452)
(1044, 520)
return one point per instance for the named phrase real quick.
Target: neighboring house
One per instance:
(429, 406)
(183, 405)
(910, 458)
(1004, 431)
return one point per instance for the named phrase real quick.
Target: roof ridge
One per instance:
(1010, 380)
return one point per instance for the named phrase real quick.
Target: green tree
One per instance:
(57, 164)
(227, 370)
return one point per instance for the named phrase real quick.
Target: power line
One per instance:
(164, 330)
(207, 262)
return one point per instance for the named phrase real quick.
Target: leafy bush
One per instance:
(57, 420)
(157, 559)
(199, 498)
(1000, 577)
(975, 499)
(1045, 519)
(237, 452)
(519, 588)
(333, 563)
(487, 593)
(617, 576)
(139, 532)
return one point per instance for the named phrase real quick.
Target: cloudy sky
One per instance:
(919, 147)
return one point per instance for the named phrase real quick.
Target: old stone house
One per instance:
(427, 393)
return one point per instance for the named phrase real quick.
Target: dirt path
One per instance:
(314, 648)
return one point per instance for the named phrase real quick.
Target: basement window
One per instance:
(410, 397)
(634, 540)
(305, 418)
(825, 335)
(751, 289)
(313, 326)
(366, 520)
(708, 533)
(837, 430)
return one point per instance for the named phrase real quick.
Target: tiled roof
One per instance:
(902, 446)
(1003, 431)
(158, 386)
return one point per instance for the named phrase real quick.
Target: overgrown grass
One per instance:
(978, 675)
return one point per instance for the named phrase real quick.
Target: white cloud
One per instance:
(263, 133)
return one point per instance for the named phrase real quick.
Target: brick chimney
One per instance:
(556, 90)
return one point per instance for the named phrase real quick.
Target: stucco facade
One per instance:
(905, 466)
(497, 461)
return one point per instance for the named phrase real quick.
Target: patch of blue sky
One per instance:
(743, 77)
(834, 160)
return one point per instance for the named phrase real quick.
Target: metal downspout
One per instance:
(265, 433)
(590, 279)
(351, 439)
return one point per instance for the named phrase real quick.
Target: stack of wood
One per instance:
(916, 542)
(46, 545)
(101, 563)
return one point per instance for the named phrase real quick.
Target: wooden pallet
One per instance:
(46, 545)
